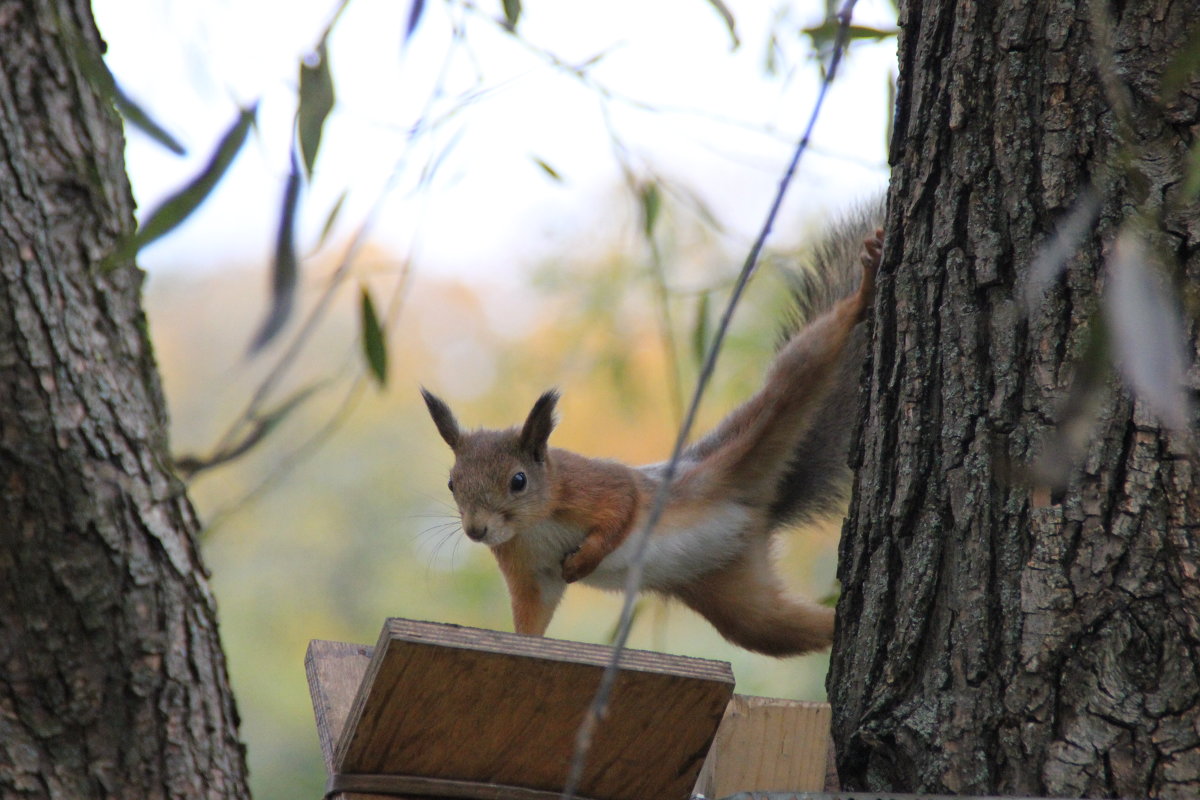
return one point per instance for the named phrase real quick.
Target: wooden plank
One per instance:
(335, 671)
(448, 702)
(768, 745)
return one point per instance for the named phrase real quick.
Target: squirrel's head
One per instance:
(500, 479)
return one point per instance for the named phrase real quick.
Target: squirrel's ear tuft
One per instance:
(538, 425)
(447, 425)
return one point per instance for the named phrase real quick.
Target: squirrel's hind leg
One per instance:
(748, 605)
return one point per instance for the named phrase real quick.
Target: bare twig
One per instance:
(316, 439)
(246, 430)
(599, 705)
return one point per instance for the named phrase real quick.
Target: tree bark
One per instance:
(112, 679)
(993, 636)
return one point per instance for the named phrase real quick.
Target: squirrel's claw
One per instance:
(872, 254)
(872, 250)
(574, 567)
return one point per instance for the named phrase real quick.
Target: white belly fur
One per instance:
(678, 552)
(548, 543)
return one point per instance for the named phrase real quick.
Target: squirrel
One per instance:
(553, 517)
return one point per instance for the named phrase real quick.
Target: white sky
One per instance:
(488, 207)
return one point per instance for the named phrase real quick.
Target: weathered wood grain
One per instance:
(768, 745)
(335, 671)
(448, 702)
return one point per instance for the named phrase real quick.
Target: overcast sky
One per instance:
(683, 103)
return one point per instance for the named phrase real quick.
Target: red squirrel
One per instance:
(552, 517)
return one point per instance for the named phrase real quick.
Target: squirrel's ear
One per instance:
(447, 425)
(536, 431)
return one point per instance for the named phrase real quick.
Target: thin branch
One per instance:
(235, 440)
(315, 440)
(599, 705)
(658, 274)
(666, 329)
(580, 72)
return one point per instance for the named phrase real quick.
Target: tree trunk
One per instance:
(112, 679)
(993, 636)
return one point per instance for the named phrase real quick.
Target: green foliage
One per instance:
(141, 119)
(823, 35)
(701, 330)
(93, 68)
(373, 340)
(512, 13)
(651, 199)
(180, 205)
(727, 18)
(549, 170)
(316, 101)
(284, 267)
(259, 427)
(331, 219)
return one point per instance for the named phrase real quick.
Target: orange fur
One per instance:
(530, 614)
(552, 517)
(601, 497)
(748, 605)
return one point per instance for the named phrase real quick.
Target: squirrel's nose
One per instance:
(476, 532)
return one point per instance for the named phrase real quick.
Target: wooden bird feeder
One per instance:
(437, 710)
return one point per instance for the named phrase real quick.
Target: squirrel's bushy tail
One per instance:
(818, 476)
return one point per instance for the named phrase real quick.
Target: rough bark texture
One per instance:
(994, 637)
(112, 679)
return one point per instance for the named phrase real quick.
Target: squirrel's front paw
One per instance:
(575, 566)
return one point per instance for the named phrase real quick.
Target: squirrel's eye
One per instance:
(450, 486)
(518, 482)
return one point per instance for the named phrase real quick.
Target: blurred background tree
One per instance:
(530, 195)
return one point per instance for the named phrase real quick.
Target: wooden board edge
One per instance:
(563, 650)
(767, 744)
(360, 698)
(320, 659)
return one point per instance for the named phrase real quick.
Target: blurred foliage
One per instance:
(1139, 330)
(367, 530)
(363, 528)
(172, 212)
